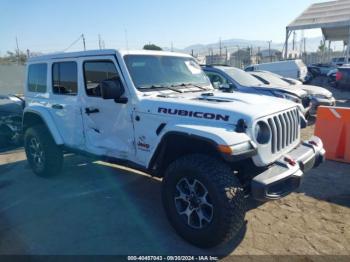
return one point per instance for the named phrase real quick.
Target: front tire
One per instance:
(203, 200)
(44, 156)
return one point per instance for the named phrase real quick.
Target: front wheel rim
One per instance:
(193, 203)
(36, 152)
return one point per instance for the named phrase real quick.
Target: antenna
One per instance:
(82, 36)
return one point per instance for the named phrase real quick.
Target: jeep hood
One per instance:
(212, 106)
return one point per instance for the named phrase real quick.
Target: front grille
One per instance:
(284, 129)
(305, 101)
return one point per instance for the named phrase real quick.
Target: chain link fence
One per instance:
(242, 57)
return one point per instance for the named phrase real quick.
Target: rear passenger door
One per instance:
(64, 102)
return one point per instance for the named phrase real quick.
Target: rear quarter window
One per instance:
(37, 78)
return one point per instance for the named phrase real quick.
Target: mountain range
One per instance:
(312, 44)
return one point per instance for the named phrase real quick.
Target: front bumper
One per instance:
(285, 174)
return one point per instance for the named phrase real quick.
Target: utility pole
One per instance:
(220, 46)
(226, 53)
(294, 35)
(17, 50)
(28, 53)
(270, 50)
(172, 47)
(99, 41)
(83, 37)
(192, 52)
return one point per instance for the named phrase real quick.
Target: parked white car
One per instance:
(318, 95)
(157, 112)
(289, 68)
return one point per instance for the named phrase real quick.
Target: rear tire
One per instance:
(203, 200)
(44, 156)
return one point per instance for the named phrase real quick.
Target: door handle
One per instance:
(89, 110)
(57, 106)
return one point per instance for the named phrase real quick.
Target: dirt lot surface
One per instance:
(99, 208)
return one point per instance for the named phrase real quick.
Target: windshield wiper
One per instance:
(161, 87)
(190, 84)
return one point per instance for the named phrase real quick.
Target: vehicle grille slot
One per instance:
(279, 133)
(286, 120)
(273, 137)
(284, 130)
(296, 114)
(291, 128)
(283, 123)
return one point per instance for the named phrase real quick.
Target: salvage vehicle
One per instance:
(11, 111)
(287, 68)
(231, 79)
(342, 77)
(157, 112)
(318, 95)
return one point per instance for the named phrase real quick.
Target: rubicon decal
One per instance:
(196, 114)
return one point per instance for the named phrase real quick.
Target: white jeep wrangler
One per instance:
(157, 112)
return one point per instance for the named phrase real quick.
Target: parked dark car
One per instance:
(11, 110)
(228, 78)
(342, 78)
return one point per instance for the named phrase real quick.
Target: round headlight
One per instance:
(262, 132)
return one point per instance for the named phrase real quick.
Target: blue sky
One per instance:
(48, 26)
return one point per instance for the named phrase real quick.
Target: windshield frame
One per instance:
(168, 85)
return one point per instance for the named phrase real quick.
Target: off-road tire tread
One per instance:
(53, 153)
(222, 177)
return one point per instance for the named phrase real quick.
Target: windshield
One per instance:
(272, 79)
(241, 77)
(149, 71)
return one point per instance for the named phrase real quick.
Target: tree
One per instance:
(322, 46)
(14, 57)
(152, 47)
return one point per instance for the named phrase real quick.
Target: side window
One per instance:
(95, 72)
(216, 78)
(65, 78)
(37, 76)
(249, 69)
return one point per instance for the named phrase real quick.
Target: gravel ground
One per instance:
(98, 208)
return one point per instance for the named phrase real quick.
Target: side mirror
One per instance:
(228, 87)
(112, 89)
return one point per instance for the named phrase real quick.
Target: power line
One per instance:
(76, 41)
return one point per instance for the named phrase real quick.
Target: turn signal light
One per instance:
(225, 149)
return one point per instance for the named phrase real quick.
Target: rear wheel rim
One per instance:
(193, 203)
(36, 152)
